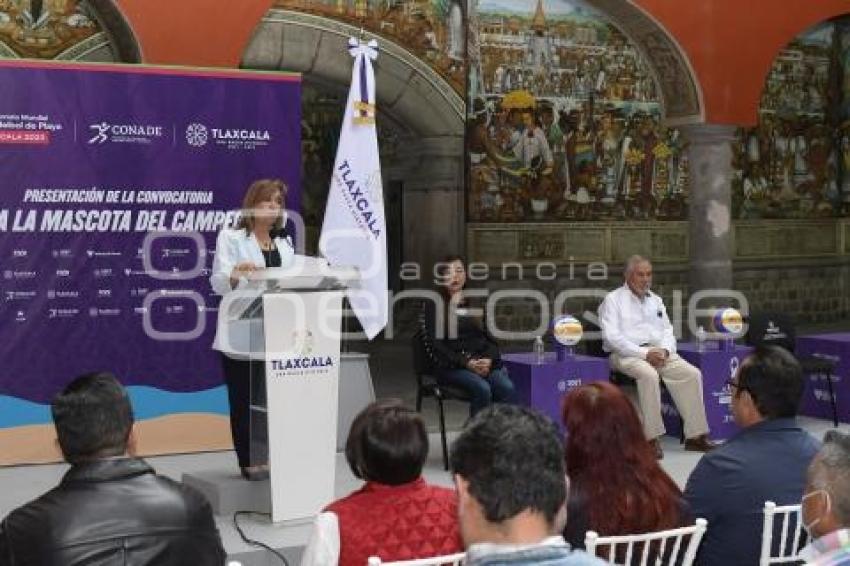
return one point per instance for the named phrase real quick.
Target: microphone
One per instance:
(283, 235)
(279, 233)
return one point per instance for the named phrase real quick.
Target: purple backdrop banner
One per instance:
(101, 165)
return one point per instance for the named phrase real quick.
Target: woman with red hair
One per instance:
(616, 484)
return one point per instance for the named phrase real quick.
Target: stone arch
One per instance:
(764, 65)
(407, 88)
(795, 152)
(427, 166)
(120, 42)
(681, 95)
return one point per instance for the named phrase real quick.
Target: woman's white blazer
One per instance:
(235, 246)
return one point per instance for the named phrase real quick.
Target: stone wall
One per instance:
(580, 295)
(815, 292)
(522, 301)
(799, 267)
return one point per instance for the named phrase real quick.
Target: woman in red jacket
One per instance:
(396, 515)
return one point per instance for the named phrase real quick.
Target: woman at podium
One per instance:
(257, 242)
(463, 355)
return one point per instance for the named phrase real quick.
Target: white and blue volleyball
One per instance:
(567, 330)
(728, 321)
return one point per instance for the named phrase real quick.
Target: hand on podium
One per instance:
(241, 270)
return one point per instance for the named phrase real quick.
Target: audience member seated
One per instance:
(110, 507)
(461, 351)
(616, 484)
(638, 334)
(508, 466)
(396, 515)
(766, 461)
(826, 503)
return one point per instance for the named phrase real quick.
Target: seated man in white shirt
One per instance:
(639, 336)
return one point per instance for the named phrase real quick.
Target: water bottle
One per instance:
(700, 339)
(539, 350)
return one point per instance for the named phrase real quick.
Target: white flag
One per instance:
(354, 230)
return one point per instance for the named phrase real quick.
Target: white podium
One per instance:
(295, 346)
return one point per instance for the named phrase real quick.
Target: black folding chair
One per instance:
(427, 386)
(778, 329)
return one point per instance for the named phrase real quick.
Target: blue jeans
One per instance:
(495, 388)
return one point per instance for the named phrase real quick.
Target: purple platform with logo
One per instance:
(543, 385)
(816, 402)
(717, 367)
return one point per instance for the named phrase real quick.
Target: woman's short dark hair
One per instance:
(387, 443)
(93, 418)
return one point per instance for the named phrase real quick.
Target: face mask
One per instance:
(811, 525)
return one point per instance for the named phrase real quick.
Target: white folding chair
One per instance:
(662, 544)
(787, 554)
(447, 560)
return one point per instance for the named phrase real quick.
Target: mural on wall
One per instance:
(42, 29)
(564, 120)
(796, 162)
(433, 30)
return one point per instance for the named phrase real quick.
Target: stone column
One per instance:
(710, 208)
(434, 222)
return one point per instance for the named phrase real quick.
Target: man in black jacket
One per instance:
(109, 508)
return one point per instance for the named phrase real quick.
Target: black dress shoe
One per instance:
(255, 473)
(699, 443)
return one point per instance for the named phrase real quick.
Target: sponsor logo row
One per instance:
(99, 273)
(68, 253)
(39, 129)
(21, 315)
(195, 135)
(136, 292)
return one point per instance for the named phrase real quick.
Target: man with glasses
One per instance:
(766, 460)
